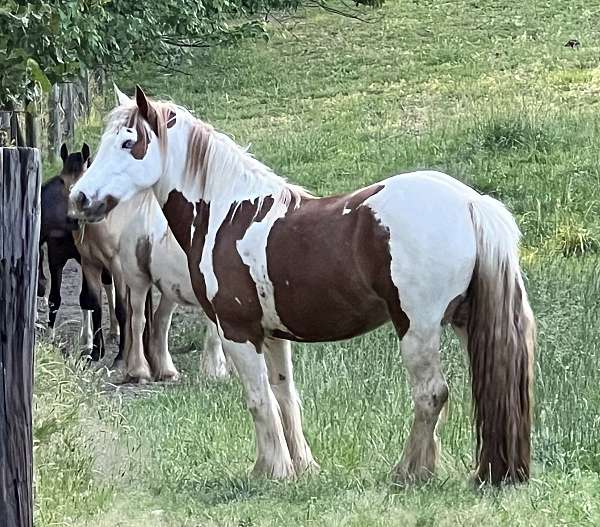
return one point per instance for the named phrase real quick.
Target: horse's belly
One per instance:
(329, 315)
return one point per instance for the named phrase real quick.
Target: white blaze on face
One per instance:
(116, 172)
(253, 251)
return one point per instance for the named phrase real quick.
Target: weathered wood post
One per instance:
(55, 131)
(20, 179)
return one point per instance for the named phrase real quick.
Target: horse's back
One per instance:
(339, 264)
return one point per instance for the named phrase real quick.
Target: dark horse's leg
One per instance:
(107, 282)
(42, 280)
(90, 299)
(56, 261)
(124, 334)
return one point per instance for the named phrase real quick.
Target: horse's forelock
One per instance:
(74, 164)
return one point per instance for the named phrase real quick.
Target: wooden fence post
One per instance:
(54, 122)
(32, 130)
(5, 127)
(20, 179)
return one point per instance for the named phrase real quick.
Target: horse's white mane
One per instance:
(215, 163)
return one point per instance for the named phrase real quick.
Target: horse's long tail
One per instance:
(501, 340)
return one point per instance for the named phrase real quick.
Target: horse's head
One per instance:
(129, 159)
(74, 164)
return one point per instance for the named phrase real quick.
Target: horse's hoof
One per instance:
(129, 379)
(168, 376)
(118, 364)
(138, 375)
(403, 476)
(280, 470)
(309, 467)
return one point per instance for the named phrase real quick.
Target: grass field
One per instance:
(486, 91)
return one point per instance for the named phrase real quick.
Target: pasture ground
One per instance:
(486, 91)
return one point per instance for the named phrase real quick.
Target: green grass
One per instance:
(485, 91)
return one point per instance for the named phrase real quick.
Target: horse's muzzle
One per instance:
(89, 211)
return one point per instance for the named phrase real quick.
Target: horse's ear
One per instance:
(85, 152)
(64, 152)
(146, 109)
(121, 97)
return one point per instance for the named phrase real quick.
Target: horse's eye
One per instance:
(127, 145)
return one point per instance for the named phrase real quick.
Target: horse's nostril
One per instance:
(81, 201)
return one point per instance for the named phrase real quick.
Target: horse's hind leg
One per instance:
(421, 356)
(110, 300)
(56, 262)
(42, 280)
(278, 354)
(90, 299)
(86, 335)
(160, 358)
(214, 364)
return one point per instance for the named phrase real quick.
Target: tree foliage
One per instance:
(46, 41)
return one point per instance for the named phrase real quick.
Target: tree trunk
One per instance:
(20, 178)
(32, 130)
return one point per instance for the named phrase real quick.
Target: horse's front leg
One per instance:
(138, 369)
(273, 457)
(163, 368)
(214, 365)
(278, 354)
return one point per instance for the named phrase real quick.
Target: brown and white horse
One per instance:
(135, 243)
(270, 262)
(135, 238)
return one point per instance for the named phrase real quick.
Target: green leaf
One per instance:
(38, 75)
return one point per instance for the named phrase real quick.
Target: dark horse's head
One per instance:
(74, 164)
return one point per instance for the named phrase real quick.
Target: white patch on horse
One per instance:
(346, 210)
(424, 253)
(85, 335)
(238, 300)
(253, 251)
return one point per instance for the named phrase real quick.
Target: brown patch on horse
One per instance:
(181, 300)
(182, 212)
(501, 336)
(342, 251)
(147, 110)
(171, 119)
(195, 256)
(140, 147)
(111, 203)
(180, 215)
(143, 254)
(236, 302)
